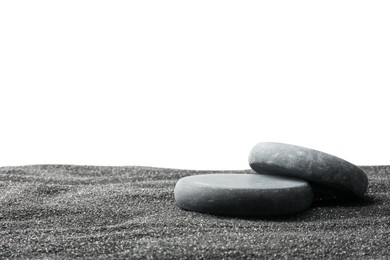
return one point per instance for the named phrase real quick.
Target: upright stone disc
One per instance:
(243, 194)
(328, 173)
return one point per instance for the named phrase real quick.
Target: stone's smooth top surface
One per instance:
(243, 194)
(327, 173)
(243, 181)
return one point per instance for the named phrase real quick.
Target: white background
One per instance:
(192, 84)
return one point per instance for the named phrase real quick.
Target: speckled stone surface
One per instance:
(243, 194)
(328, 174)
(90, 212)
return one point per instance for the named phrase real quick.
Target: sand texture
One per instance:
(91, 212)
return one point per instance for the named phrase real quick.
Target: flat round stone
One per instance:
(243, 194)
(328, 174)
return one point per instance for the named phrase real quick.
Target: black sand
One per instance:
(62, 211)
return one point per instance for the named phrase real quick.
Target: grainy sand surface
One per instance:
(89, 212)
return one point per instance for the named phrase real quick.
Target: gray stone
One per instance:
(243, 194)
(327, 173)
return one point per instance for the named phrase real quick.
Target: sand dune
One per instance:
(66, 211)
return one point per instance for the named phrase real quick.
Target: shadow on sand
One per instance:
(346, 201)
(323, 209)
